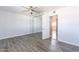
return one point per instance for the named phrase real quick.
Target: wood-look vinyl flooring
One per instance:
(34, 43)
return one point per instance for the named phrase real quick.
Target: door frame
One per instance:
(56, 26)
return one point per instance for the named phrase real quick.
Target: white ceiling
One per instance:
(20, 9)
(47, 8)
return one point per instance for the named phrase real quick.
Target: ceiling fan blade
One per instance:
(32, 7)
(35, 11)
(26, 8)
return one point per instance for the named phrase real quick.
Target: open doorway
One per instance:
(54, 27)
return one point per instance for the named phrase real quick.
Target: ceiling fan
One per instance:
(32, 10)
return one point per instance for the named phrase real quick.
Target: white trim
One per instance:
(16, 35)
(1, 38)
(69, 43)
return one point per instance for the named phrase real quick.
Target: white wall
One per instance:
(13, 24)
(68, 23)
(45, 27)
(37, 24)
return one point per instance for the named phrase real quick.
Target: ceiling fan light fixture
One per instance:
(31, 13)
(32, 10)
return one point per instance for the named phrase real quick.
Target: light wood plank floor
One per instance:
(34, 43)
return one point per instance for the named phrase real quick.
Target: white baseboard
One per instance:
(15, 36)
(69, 43)
(12, 36)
